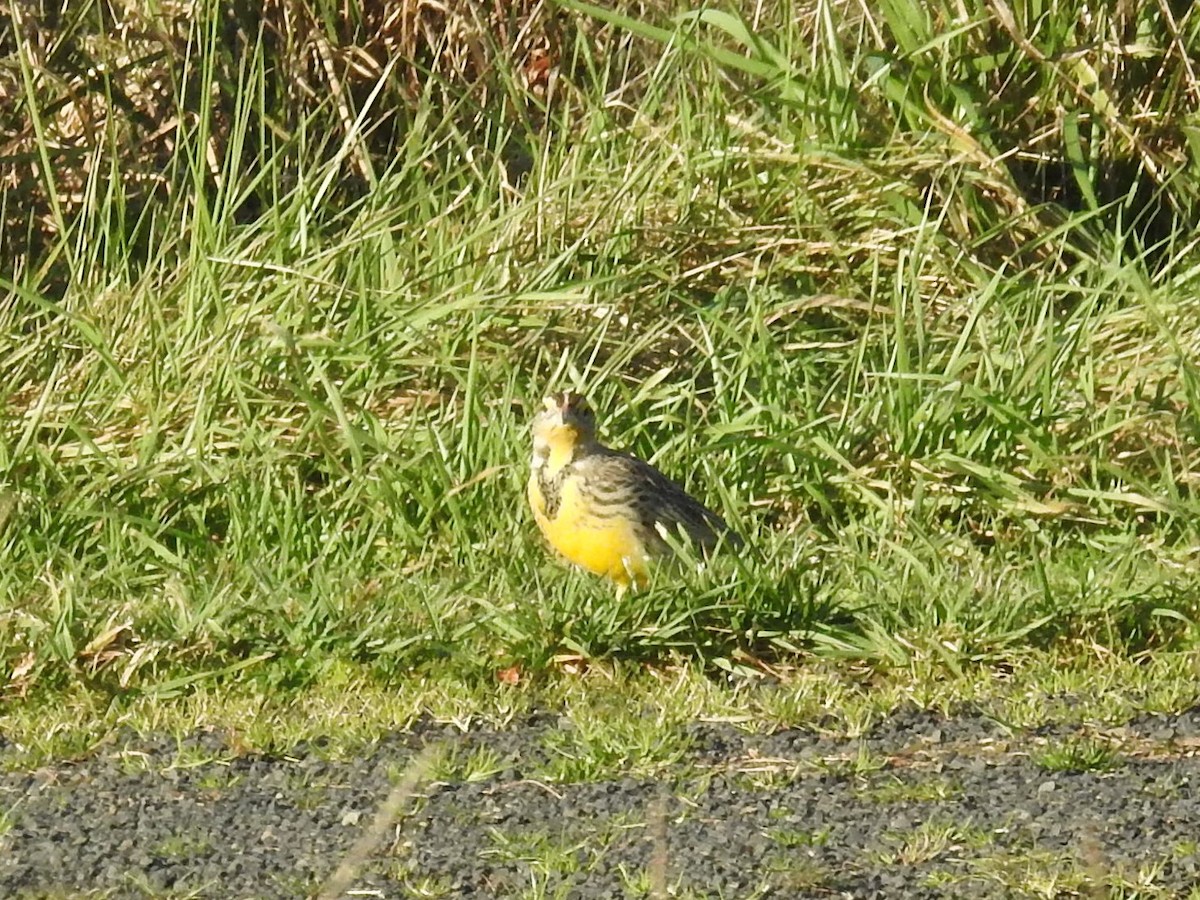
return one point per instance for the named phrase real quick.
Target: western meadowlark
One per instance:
(607, 511)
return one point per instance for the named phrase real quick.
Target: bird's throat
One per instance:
(563, 448)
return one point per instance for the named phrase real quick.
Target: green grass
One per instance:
(1030, 873)
(922, 790)
(183, 845)
(457, 765)
(1079, 754)
(263, 430)
(931, 841)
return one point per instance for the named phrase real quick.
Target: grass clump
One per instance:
(605, 743)
(921, 790)
(1079, 754)
(908, 295)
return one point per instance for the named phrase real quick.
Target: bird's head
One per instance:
(565, 422)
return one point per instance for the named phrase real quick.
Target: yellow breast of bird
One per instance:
(607, 546)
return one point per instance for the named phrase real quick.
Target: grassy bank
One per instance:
(911, 300)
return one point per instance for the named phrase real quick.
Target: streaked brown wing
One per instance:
(618, 481)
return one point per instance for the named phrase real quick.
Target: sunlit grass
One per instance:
(268, 431)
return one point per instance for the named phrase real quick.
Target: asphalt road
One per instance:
(922, 806)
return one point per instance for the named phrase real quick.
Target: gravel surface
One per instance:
(922, 806)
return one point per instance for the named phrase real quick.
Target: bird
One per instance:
(604, 510)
